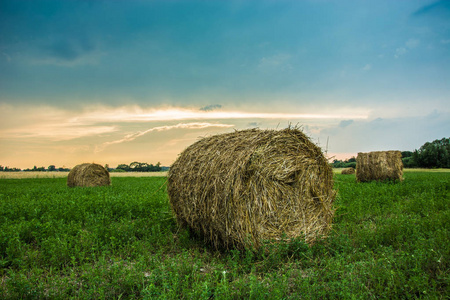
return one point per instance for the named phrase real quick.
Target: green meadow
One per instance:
(389, 241)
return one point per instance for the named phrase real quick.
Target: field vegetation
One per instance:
(57, 174)
(389, 241)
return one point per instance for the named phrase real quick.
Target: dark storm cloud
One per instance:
(51, 31)
(211, 107)
(438, 8)
(186, 52)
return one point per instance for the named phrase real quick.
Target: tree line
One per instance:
(133, 167)
(434, 154)
(51, 168)
(137, 167)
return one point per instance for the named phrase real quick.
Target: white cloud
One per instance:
(407, 133)
(50, 123)
(400, 51)
(275, 61)
(367, 67)
(132, 136)
(132, 114)
(47, 123)
(63, 132)
(409, 45)
(412, 43)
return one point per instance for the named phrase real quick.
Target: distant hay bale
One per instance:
(88, 175)
(348, 171)
(249, 187)
(379, 165)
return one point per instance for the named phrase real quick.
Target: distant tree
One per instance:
(8, 169)
(143, 167)
(51, 168)
(124, 167)
(349, 163)
(408, 160)
(1, 168)
(140, 167)
(337, 163)
(433, 155)
(406, 154)
(135, 166)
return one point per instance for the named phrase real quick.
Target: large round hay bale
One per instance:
(379, 165)
(348, 171)
(88, 175)
(249, 187)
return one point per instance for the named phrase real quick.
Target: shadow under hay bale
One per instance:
(249, 187)
(348, 171)
(379, 165)
(88, 175)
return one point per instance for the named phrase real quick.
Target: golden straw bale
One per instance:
(248, 187)
(88, 175)
(348, 171)
(379, 165)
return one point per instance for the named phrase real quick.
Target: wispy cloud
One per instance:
(367, 67)
(58, 125)
(412, 43)
(47, 123)
(211, 107)
(275, 61)
(63, 132)
(409, 45)
(345, 123)
(400, 51)
(132, 136)
(138, 114)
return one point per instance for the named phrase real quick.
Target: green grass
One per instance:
(389, 241)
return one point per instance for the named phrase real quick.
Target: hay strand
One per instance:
(379, 165)
(88, 175)
(348, 171)
(244, 188)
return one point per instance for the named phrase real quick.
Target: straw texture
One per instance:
(348, 171)
(249, 187)
(379, 165)
(88, 175)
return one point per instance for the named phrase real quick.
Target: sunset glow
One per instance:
(355, 76)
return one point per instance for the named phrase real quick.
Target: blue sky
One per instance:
(119, 81)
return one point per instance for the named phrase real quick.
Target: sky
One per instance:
(118, 81)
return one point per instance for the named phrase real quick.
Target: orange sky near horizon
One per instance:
(121, 135)
(114, 82)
